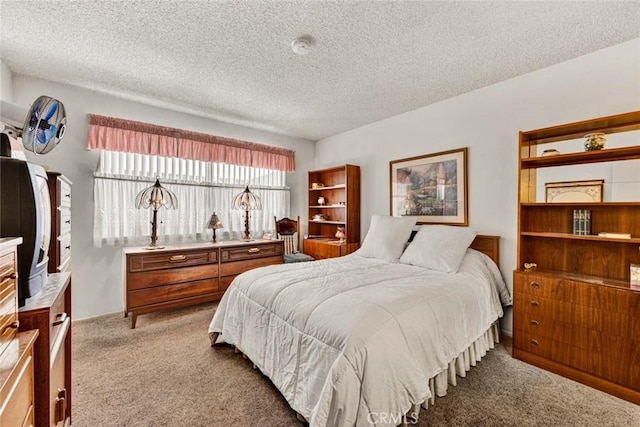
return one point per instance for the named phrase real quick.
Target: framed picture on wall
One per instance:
(432, 187)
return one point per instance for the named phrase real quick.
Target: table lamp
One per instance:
(246, 201)
(213, 224)
(156, 197)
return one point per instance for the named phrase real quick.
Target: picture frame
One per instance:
(431, 187)
(588, 191)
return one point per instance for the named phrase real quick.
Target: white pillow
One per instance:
(439, 247)
(386, 237)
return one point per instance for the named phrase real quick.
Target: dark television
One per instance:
(25, 212)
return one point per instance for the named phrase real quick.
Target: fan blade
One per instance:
(52, 111)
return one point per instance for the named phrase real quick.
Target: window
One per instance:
(201, 188)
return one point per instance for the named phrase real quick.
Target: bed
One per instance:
(363, 340)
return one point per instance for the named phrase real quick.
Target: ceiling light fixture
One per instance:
(301, 45)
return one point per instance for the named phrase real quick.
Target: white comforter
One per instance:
(348, 339)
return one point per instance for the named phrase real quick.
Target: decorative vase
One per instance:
(594, 141)
(321, 201)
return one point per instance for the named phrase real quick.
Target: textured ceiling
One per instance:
(231, 60)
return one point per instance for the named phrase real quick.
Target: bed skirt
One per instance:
(458, 367)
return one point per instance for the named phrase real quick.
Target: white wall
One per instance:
(97, 273)
(487, 121)
(6, 82)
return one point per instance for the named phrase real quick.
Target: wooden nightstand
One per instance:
(326, 248)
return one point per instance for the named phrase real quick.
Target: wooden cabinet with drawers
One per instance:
(16, 348)
(49, 311)
(329, 248)
(16, 381)
(578, 312)
(189, 274)
(60, 245)
(591, 329)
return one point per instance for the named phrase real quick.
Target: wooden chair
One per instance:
(287, 230)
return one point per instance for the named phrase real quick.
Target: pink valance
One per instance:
(113, 134)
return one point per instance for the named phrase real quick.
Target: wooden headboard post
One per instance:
(488, 245)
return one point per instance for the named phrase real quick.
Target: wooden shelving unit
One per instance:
(576, 314)
(340, 188)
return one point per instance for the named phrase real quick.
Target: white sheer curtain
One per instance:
(201, 189)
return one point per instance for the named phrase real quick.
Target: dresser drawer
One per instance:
(58, 319)
(540, 326)
(553, 350)
(58, 388)
(155, 278)
(64, 221)
(549, 287)
(8, 317)
(251, 252)
(64, 243)
(162, 294)
(235, 268)
(64, 189)
(7, 266)
(171, 260)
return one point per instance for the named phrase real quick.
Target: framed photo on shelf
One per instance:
(432, 187)
(574, 191)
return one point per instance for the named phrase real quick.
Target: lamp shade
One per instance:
(156, 197)
(246, 201)
(214, 222)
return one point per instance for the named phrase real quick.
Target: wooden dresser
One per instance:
(188, 274)
(60, 245)
(49, 311)
(17, 401)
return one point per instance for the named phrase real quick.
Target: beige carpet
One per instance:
(164, 373)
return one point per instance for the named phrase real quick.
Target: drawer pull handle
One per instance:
(12, 276)
(13, 325)
(253, 250)
(534, 342)
(68, 221)
(178, 258)
(60, 318)
(535, 284)
(68, 195)
(67, 247)
(535, 303)
(61, 405)
(535, 323)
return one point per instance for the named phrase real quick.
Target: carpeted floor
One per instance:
(164, 373)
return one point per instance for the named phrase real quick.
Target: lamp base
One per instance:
(151, 248)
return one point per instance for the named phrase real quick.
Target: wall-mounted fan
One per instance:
(41, 127)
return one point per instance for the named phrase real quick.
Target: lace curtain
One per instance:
(201, 189)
